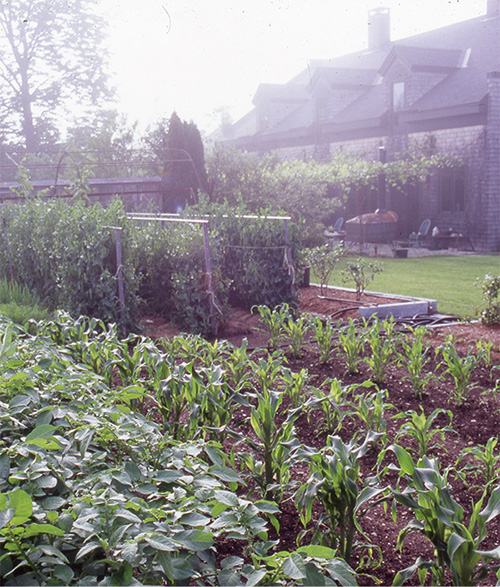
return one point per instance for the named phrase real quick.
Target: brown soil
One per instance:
(473, 423)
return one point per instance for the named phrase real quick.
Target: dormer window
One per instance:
(398, 95)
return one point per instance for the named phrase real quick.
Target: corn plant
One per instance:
(440, 518)
(296, 330)
(489, 472)
(217, 402)
(336, 483)
(352, 345)
(324, 332)
(370, 409)
(237, 363)
(295, 385)
(180, 391)
(415, 357)
(382, 345)
(271, 470)
(274, 321)
(419, 427)
(266, 371)
(483, 349)
(332, 396)
(460, 369)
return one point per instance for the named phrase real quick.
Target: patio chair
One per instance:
(418, 239)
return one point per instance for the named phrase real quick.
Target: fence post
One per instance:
(210, 290)
(288, 253)
(119, 272)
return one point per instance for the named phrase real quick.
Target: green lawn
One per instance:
(447, 279)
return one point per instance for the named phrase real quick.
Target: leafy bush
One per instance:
(323, 260)
(491, 288)
(361, 272)
(66, 256)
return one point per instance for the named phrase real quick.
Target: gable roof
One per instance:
(462, 53)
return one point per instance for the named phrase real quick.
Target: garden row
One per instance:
(128, 461)
(66, 255)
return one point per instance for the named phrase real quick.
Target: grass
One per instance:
(447, 279)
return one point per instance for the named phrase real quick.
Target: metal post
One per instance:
(119, 272)
(210, 290)
(288, 253)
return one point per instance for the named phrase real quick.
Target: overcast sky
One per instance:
(198, 56)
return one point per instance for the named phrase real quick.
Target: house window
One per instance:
(452, 189)
(398, 95)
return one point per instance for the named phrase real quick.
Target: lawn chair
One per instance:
(419, 239)
(336, 233)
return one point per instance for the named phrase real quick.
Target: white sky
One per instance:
(197, 56)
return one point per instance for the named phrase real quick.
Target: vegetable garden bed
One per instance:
(111, 467)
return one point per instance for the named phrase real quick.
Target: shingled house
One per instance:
(439, 91)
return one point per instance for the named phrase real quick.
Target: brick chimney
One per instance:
(379, 27)
(493, 8)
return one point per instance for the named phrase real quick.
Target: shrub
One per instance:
(491, 288)
(361, 273)
(323, 260)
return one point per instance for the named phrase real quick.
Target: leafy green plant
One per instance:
(296, 330)
(272, 472)
(324, 332)
(489, 472)
(490, 286)
(352, 344)
(415, 357)
(308, 565)
(266, 371)
(238, 362)
(382, 344)
(361, 272)
(274, 320)
(420, 428)
(337, 484)
(295, 385)
(323, 260)
(370, 409)
(460, 369)
(440, 518)
(332, 396)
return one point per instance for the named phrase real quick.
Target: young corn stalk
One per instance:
(271, 468)
(370, 410)
(489, 472)
(440, 518)
(336, 482)
(382, 345)
(332, 396)
(415, 357)
(274, 321)
(296, 330)
(352, 344)
(460, 369)
(295, 385)
(419, 427)
(324, 332)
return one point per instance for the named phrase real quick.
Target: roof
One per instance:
(457, 58)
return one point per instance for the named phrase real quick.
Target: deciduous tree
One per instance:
(52, 64)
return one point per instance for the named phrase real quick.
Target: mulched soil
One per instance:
(474, 423)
